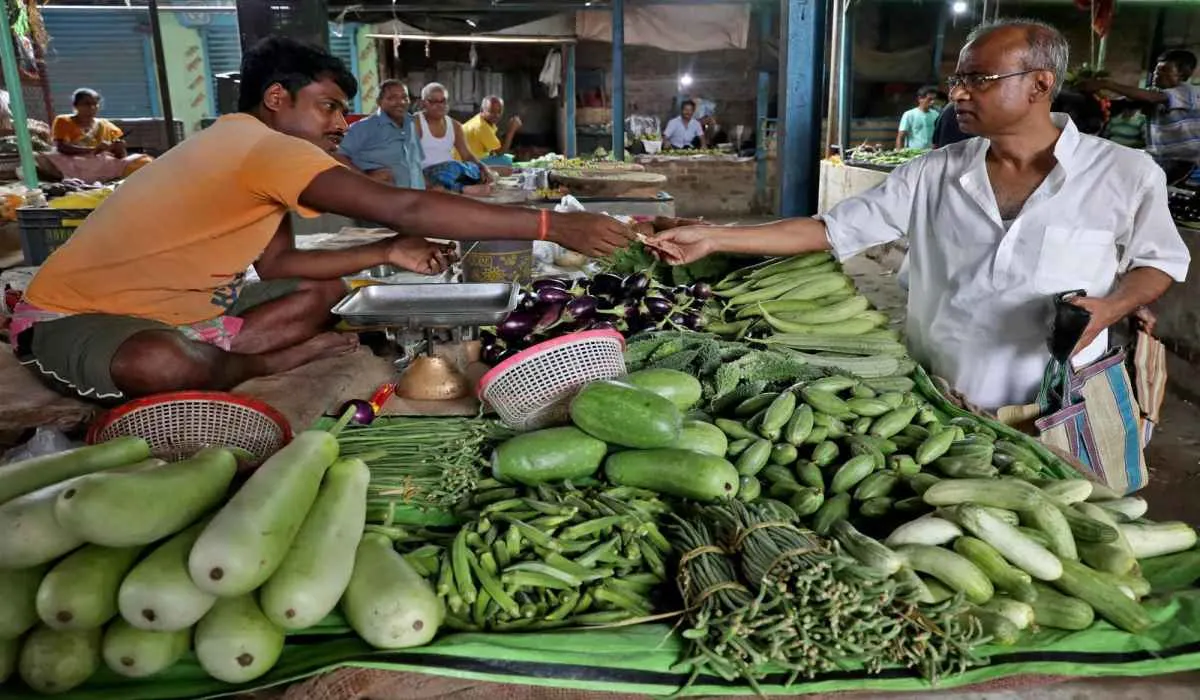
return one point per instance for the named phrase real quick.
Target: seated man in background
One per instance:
(441, 140)
(385, 146)
(482, 134)
(685, 131)
(149, 295)
(88, 147)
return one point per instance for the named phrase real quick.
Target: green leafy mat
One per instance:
(639, 660)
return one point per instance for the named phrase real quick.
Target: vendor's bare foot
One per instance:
(318, 347)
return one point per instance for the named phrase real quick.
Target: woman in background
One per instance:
(87, 147)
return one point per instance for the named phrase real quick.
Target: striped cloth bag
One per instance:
(1093, 413)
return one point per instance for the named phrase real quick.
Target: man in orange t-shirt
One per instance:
(148, 295)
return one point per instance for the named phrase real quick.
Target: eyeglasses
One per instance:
(976, 81)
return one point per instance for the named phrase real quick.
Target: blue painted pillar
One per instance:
(760, 116)
(569, 96)
(618, 79)
(800, 79)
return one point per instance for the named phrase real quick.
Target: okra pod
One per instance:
(460, 556)
(493, 588)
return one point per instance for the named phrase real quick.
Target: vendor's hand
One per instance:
(515, 124)
(383, 175)
(1104, 314)
(680, 246)
(594, 235)
(419, 255)
(1090, 85)
(1146, 319)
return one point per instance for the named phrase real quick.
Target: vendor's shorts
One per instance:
(453, 175)
(73, 354)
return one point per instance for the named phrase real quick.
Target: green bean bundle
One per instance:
(421, 462)
(761, 591)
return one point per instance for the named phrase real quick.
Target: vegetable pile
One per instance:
(552, 307)
(872, 155)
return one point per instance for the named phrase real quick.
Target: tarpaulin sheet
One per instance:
(641, 659)
(684, 29)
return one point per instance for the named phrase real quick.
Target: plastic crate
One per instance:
(44, 229)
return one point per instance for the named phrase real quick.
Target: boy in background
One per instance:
(916, 125)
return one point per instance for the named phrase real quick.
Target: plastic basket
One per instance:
(533, 388)
(180, 423)
(44, 229)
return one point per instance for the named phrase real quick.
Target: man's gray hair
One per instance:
(1048, 48)
(490, 99)
(428, 90)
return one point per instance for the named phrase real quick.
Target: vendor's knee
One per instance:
(325, 293)
(151, 362)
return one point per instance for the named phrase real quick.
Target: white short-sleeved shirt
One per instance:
(680, 135)
(980, 296)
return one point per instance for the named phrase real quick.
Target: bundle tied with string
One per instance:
(763, 594)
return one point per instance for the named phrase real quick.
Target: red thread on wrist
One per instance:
(543, 224)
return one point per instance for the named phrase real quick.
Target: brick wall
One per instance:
(713, 187)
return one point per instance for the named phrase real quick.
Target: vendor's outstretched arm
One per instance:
(785, 237)
(282, 260)
(441, 215)
(1134, 93)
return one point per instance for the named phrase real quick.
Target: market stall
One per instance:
(713, 479)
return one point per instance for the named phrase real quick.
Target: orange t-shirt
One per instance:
(174, 241)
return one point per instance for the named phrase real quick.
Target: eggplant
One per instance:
(657, 307)
(491, 355)
(548, 316)
(517, 325)
(487, 339)
(605, 284)
(602, 326)
(702, 291)
(693, 321)
(678, 320)
(635, 285)
(505, 355)
(553, 295)
(581, 308)
(539, 285)
(364, 412)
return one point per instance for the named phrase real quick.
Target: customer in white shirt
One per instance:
(998, 225)
(684, 130)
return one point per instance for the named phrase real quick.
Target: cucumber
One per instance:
(158, 594)
(799, 426)
(749, 488)
(235, 642)
(18, 600)
(621, 414)
(553, 454)
(388, 603)
(832, 511)
(168, 498)
(80, 592)
(851, 472)
(735, 430)
(699, 436)
(806, 501)
(308, 584)
(777, 416)
(136, 653)
(824, 453)
(877, 485)
(32, 535)
(810, 474)
(754, 458)
(248, 538)
(1064, 612)
(784, 454)
(37, 473)
(679, 388)
(9, 649)
(735, 448)
(680, 473)
(56, 661)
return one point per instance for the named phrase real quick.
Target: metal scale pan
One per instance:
(428, 305)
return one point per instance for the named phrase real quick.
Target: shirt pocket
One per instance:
(1076, 258)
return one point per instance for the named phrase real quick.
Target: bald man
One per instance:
(482, 133)
(999, 225)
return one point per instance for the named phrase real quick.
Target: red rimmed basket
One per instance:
(177, 424)
(533, 388)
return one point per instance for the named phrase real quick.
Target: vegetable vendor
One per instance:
(150, 294)
(88, 147)
(482, 133)
(385, 146)
(997, 225)
(685, 131)
(441, 140)
(1174, 127)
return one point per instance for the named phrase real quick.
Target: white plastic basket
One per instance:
(533, 388)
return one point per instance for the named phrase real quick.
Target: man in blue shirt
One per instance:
(385, 145)
(916, 126)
